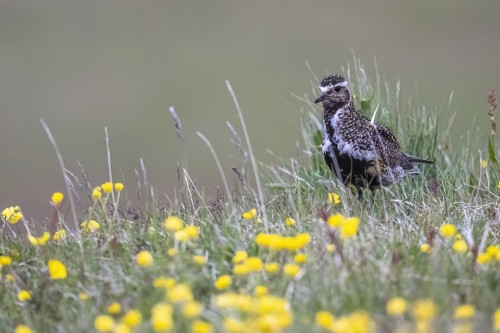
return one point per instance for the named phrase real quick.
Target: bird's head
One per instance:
(334, 91)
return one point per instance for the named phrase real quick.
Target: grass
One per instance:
(352, 278)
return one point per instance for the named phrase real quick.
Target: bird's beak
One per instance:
(321, 98)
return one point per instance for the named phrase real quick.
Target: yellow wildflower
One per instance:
(232, 325)
(59, 235)
(300, 258)
(57, 270)
(234, 301)
(38, 241)
(107, 187)
(22, 329)
(496, 320)
(240, 256)
(191, 309)
(144, 258)
(188, 233)
(89, 226)
(179, 293)
(57, 198)
(223, 282)
(24, 295)
(104, 323)
(464, 311)
(164, 283)
(424, 310)
(349, 227)
(114, 308)
(330, 248)
(493, 251)
(83, 296)
(324, 319)
(290, 221)
(260, 291)
(335, 220)
(484, 164)
(291, 269)
(272, 267)
(240, 269)
(132, 318)
(460, 246)
(199, 326)
(8, 278)
(333, 198)
(498, 185)
(12, 214)
(172, 252)
(96, 193)
(447, 230)
(161, 317)
(254, 264)
(425, 248)
(121, 328)
(249, 214)
(118, 187)
(199, 260)
(173, 223)
(5, 261)
(396, 306)
(483, 258)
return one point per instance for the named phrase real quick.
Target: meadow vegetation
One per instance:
(280, 248)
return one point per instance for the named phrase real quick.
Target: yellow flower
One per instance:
(300, 258)
(171, 252)
(290, 221)
(89, 226)
(291, 269)
(254, 264)
(199, 260)
(121, 328)
(272, 267)
(324, 319)
(164, 283)
(104, 323)
(460, 246)
(37, 241)
(464, 311)
(23, 329)
(57, 270)
(240, 269)
(5, 261)
(144, 258)
(199, 326)
(179, 293)
(96, 193)
(24, 295)
(396, 306)
(132, 318)
(83, 296)
(333, 198)
(188, 233)
(496, 320)
(59, 235)
(484, 164)
(223, 282)
(173, 223)
(57, 198)
(161, 317)
(425, 248)
(234, 301)
(232, 325)
(191, 309)
(250, 214)
(8, 278)
(118, 187)
(349, 227)
(335, 220)
(498, 185)
(240, 256)
(330, 248)
(483, 258)
(107, 187)
(260, 291)
(447, 230)
(114, 308)
(12, 214)
(424, 310)
(493, 251)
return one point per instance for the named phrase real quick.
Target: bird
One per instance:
(359, 151)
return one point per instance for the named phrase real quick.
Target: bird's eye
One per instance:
(337, 89)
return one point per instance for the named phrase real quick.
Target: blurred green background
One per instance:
(86, 64)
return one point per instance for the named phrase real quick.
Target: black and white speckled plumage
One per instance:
(358, 151)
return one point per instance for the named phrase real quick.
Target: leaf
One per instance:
(491, 149)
